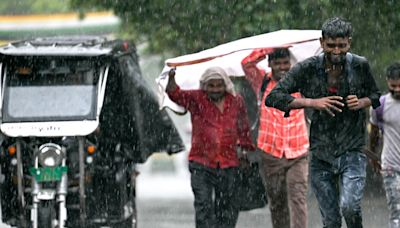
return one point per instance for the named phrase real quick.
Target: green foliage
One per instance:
(21, 7)
(187, 26)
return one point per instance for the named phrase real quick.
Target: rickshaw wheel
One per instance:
(46, 214)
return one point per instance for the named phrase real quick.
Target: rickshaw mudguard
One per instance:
(49, 129)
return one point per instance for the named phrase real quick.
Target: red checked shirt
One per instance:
(215, 134)
(277, 135)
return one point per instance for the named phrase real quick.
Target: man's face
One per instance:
(215, 89)
(279, 67)
(335, 49)
(394, 87)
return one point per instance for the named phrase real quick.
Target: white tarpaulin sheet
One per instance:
(302, 44)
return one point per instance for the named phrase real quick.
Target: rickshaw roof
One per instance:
(89, 46)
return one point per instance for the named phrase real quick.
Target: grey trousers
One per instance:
(286, 183)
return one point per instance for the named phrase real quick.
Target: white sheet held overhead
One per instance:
(302, 44)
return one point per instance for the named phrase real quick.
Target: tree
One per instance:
(188, 26)
(21, 7)
(182, 27)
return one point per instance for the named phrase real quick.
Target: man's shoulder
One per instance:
(384, 96)
(389, 100)
(309, 62)
(305, 67)
(358, 59)
(237, 99)
(383, 99)
(195, 93)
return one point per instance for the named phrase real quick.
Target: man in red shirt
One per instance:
(219, 126)
(283, 142)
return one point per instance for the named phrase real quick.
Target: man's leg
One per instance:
(226, 211)
(297, 182)
(324, 186)
(391, 181)
(274, 178)
(353, 173)
(202, 186)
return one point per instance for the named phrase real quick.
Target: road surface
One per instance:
(165, 200)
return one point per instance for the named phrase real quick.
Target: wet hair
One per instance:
(279, 53)
(336, 27)
(393, 71)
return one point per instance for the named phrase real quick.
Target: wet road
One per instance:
(179, 213)
(165, 201)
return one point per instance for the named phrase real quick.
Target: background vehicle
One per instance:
(76, 117)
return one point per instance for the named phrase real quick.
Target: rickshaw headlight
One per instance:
(50, 155)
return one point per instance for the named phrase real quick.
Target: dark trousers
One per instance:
(339, 188)
(214, 191)
(286, 182)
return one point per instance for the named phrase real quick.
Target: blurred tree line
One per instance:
(182, 27)
(22, 7)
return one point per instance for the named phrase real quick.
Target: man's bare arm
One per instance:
(171, 86)
(374, 136)
(355, 103)
(328, 104)
(331, 103)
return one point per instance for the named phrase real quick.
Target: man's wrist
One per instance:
(308, 103)
(301, 103)
(364, 102)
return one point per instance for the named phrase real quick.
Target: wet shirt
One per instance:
(277, 136)
(280, 136)
(215, 134)
(391, 134)
(346, 131)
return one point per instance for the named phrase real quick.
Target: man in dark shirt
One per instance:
(338, 85)
(219, 125)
